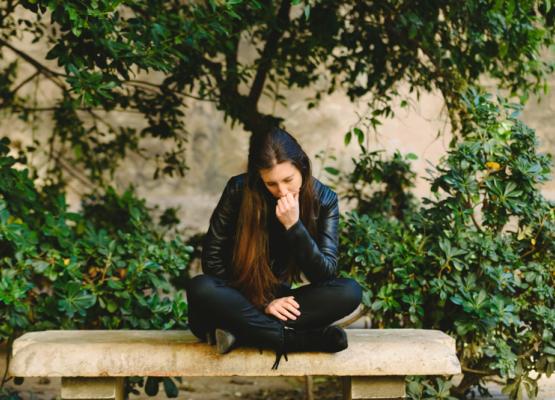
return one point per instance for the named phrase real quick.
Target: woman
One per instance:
(270, 224)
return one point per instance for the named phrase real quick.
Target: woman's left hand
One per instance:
(287, 210)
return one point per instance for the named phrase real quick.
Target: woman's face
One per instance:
(282, 179)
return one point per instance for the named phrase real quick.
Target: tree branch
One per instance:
(265, 60)
(29, 79)
(231, 65)
(69, 168)
(52, 75)
(47, 109)
(141, 84)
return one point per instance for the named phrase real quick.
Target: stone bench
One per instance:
(92, 364)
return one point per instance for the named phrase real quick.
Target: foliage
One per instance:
(155, 57)
(105, 267)
(395, 198)
(420, 389)
(476, 260)
(8, 394)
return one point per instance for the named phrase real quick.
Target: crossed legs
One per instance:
(214, 304)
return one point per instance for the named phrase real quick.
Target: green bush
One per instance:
(476, 260)
(108, 266)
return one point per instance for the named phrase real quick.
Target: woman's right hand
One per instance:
(283, 308)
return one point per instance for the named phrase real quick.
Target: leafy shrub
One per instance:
(108, 266)
(476, 260)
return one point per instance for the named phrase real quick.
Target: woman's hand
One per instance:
(287, 209)
(283, 308)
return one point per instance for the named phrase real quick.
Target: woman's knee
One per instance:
(350, 292)
(201, 287)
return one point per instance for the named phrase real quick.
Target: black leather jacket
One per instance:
(317, 257)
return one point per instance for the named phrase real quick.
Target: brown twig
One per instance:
(50, 74)
(29, 79)
(142, 84)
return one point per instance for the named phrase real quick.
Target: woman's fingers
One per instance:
(291, 300)
(280, 313)
(292, 306)
(287, 202)
(285, 308)
(282, 205)
(276, 314)
(294, 311)
(290, 200)
(283, 311)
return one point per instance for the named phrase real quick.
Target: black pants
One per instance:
(214, 304)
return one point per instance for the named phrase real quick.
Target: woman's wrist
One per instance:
(291, 225)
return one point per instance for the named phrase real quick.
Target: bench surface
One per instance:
(94, 353)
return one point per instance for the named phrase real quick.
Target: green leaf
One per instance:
(332, 171)
(152, 385)
(170, 387)
(348, 136)
(359, 134)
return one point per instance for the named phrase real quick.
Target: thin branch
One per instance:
(477, 371)
(141, 84)
(270, 48)
(75, 173)
(231, 65)
(47, 109)
(472, 216)
(476, 224)
(96, 118)
(29, 79)
(52, 75)
(216, 70)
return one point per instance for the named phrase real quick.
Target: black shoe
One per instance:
(334, 339)
(225, 341)
(330, 339)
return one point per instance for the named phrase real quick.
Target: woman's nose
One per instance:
(282, 191)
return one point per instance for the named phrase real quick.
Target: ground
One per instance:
(248, 388)
(255, 388)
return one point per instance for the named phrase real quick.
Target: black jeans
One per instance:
(214, 304)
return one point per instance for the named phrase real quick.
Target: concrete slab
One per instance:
(387, 352)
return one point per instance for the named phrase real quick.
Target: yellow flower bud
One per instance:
(493, 166)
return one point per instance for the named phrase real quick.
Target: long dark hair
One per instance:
(251, 263)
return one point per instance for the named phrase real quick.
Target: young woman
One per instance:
(272, 223)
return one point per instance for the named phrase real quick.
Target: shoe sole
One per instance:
(210, 338)
(336, 337)
(224, 341)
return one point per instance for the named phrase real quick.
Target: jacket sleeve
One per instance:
(216, 257)
(317, 259)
